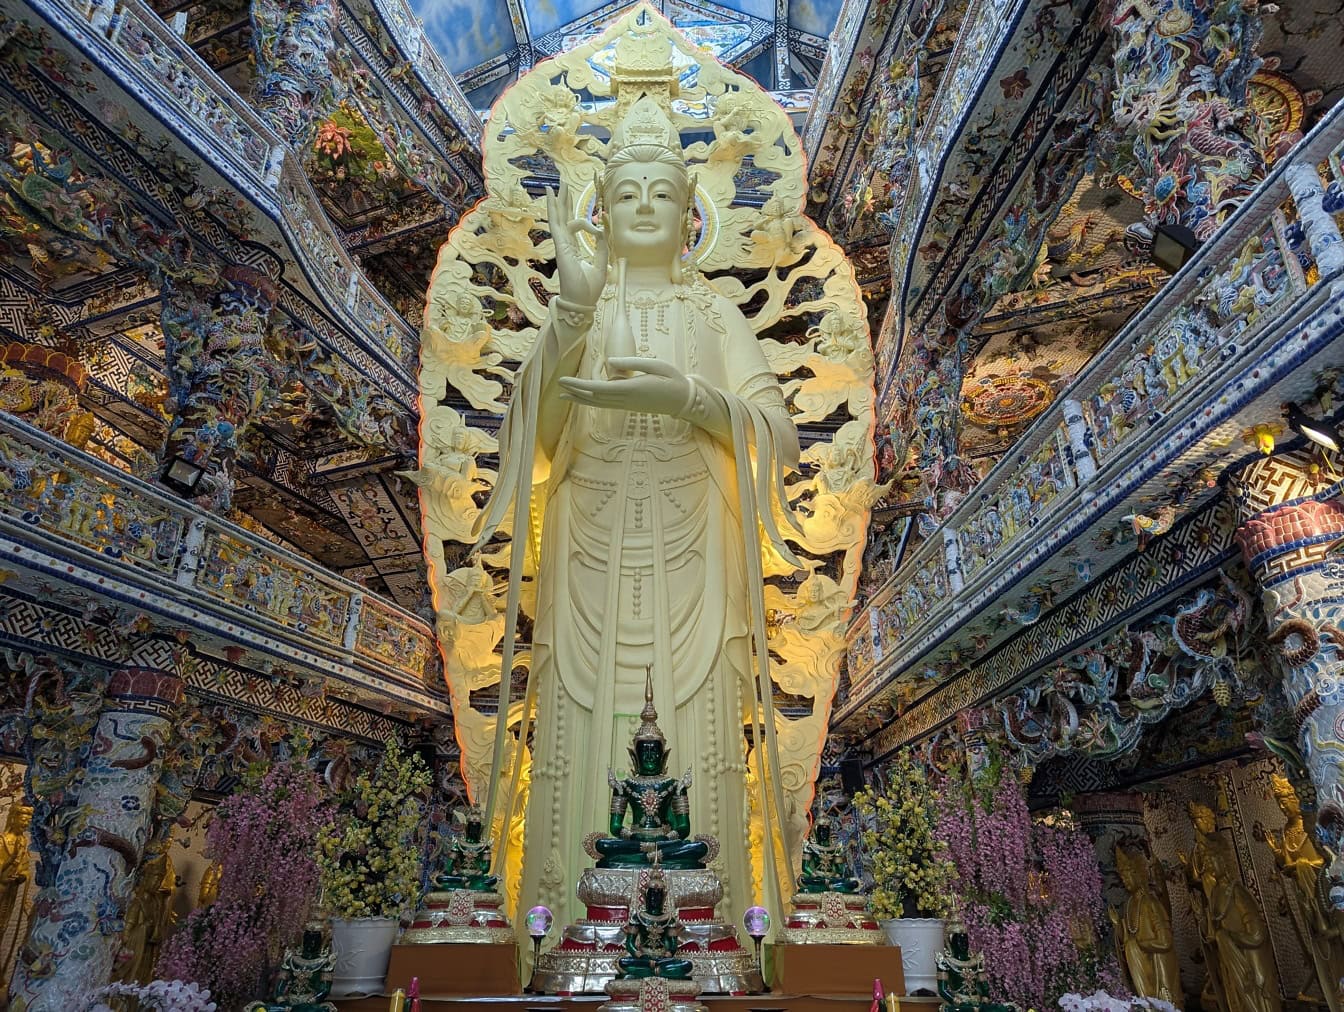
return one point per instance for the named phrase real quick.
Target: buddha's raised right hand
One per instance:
(581, 282)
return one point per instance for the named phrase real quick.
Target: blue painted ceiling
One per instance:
(484, 42)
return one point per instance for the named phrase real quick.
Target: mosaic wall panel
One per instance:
(1195, 547)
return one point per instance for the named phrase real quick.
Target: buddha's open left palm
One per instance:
(581, 283)
(656, 388)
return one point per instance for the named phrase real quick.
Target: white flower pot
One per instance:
(920, 939)
(362, 947)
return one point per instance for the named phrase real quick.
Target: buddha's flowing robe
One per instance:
(649, 555)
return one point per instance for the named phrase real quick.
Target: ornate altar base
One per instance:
(460, 915)
(584, 961)
(722, 1003)
(831, 918)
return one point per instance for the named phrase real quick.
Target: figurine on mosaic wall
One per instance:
(658, 805)
(16, 867)
(1232, 921)
(1303, 865)
(963, 984)
(149, 918)
(305, 977)
(1143, 933)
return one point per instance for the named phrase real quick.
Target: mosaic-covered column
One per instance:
(295, 88)
(1191, 144)
(219, 370)
(74, 932)
(1291, 521)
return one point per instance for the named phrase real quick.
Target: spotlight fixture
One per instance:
(182, 476)
(1173, 246)
(1317, 430)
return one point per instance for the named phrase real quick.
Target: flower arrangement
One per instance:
(369, 857)
(264, 838)
(911, 873)
(1101, 1001)
(167, 995)
(348, 157)
(1030, 893)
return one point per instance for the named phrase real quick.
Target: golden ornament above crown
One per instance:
(644, 62)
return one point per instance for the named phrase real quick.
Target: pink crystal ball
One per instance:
(538, 922)
(757, 922)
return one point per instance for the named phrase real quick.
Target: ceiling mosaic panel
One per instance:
(485, 42)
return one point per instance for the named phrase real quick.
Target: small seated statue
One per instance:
(467, 865)
(825, 867)
(962, 983)
(305, 978)
(653, 934)
(658, 805)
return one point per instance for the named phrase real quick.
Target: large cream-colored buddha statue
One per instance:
(650, 432)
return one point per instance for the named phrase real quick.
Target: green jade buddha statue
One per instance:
(468, 859)
(962, 983)
(658, 804)
(825, 867)
(653, 933)
(305, 978)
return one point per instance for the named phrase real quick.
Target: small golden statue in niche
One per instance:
(1302, 865)
(1143, 933)
(1233, 923)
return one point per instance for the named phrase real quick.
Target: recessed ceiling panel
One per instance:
(466, 32)
(815, 16)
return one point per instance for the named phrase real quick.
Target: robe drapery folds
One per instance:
(645, 535)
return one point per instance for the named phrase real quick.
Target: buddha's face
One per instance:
(822, 833)
(646, 204)
(649, 757)
(474, 830)
(1126, 866)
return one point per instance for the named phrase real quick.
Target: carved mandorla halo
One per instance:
(487, 298)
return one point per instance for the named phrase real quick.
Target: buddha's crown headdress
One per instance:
(1282, 788)
(645, 134)
(648, 717)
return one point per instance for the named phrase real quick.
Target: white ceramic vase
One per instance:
(362, 947)
(920, 939)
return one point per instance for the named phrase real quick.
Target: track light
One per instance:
(1317, 430)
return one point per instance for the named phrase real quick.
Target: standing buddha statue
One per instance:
(658, 805)
(1143, 933)
(659, 437)
(1246, 967)
(1302, 866)
(16, 866)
